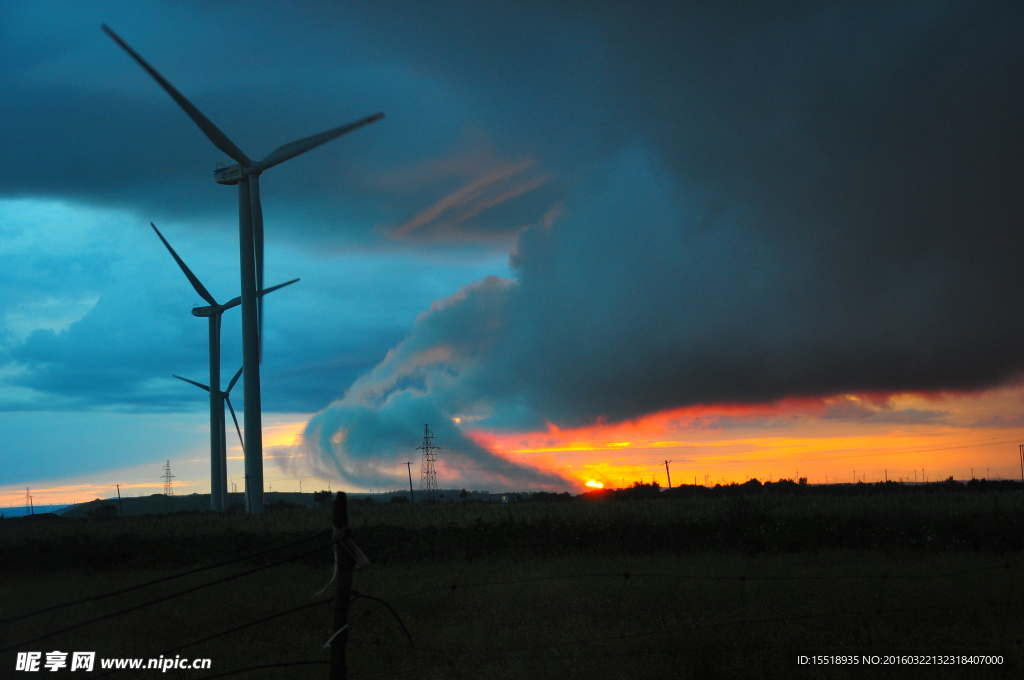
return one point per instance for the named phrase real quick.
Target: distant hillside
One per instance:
(159, 504)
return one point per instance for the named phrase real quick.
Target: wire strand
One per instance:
(162, 580)
(164, 599)
(227, 632)
(391, 609)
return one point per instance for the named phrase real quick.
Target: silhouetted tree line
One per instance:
(635, 492)
(547, 497)
(639, 491)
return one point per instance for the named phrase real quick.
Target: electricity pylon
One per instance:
(167, 477)
(428, 476)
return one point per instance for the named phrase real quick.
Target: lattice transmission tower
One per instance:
(167, 477)
(428, 476)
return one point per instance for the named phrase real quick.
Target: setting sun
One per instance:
(595, 485)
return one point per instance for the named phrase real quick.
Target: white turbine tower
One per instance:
(246, 175)
(218, 450)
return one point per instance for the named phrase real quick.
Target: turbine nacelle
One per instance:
(203, 311)
(232, 174)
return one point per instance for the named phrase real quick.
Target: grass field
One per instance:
(716, 587)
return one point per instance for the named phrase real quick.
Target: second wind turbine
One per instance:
(246, 175)
(218, 446)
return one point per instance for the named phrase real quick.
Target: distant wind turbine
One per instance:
(246, 175)
(218, 453)
(221, 434)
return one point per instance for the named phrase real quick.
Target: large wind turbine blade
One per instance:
(200, 288)
(283, 153)
(219, 139)
(235, 418)
(193, 382)
(233, 381)
(273, 288)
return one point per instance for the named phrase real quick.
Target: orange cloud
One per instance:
(485, 181)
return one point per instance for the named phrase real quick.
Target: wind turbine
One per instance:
(222, 398)
(246, 175)
(218, 452)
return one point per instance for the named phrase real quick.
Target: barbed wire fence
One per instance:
(422, 660)
(347, 555)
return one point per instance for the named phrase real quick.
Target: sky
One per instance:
(753, 240)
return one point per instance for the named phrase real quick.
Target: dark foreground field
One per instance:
(730, 586)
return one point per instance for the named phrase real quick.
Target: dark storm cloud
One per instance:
(849, 178)
(811, 200)
(865, 135)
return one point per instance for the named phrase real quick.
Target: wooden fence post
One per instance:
(342, 590)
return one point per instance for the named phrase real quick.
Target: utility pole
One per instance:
(28, 502)
(667, 474)
(120, 505)
(408, 466)
(428, 476)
